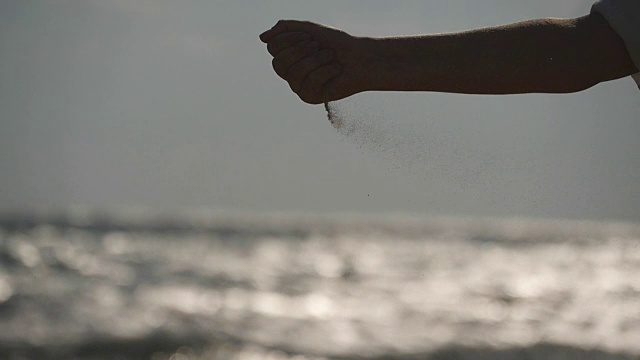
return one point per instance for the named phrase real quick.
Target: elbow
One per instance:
(584, 53)
(603, 52)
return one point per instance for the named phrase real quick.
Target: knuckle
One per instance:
(275, 46)
(278, 66)
(295, 84)
(294, 87)
(294, 80)
(309, 98)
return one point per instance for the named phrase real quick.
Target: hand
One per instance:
(321, 64)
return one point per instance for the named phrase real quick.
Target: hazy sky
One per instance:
(173, 104)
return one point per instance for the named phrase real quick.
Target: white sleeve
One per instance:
(624, 18)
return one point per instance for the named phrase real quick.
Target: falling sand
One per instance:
(400, 138)
(331, 115)
(397, 144)
(352, 121)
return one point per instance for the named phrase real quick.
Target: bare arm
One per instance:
(546, 56)
(541, 56)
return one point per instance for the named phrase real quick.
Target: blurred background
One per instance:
(165, 195)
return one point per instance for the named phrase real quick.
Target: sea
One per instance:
(217, 285)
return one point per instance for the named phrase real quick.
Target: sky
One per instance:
(173, 105)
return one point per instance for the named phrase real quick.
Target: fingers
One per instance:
(286, 40)
(297, 73)
(291, 56)
(300, 60)
(314, 89)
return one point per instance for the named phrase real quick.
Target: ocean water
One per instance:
(222, 286)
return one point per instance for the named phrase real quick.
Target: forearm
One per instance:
(543, 56)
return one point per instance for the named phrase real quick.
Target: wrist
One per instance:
(393, 64)
(374, 59)
(370, 64)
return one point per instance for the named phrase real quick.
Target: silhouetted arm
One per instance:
(537, 56)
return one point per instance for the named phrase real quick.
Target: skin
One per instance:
(323, 64)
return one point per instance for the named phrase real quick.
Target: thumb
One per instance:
(283, 26)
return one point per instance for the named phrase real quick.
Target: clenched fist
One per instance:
(320, 63)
